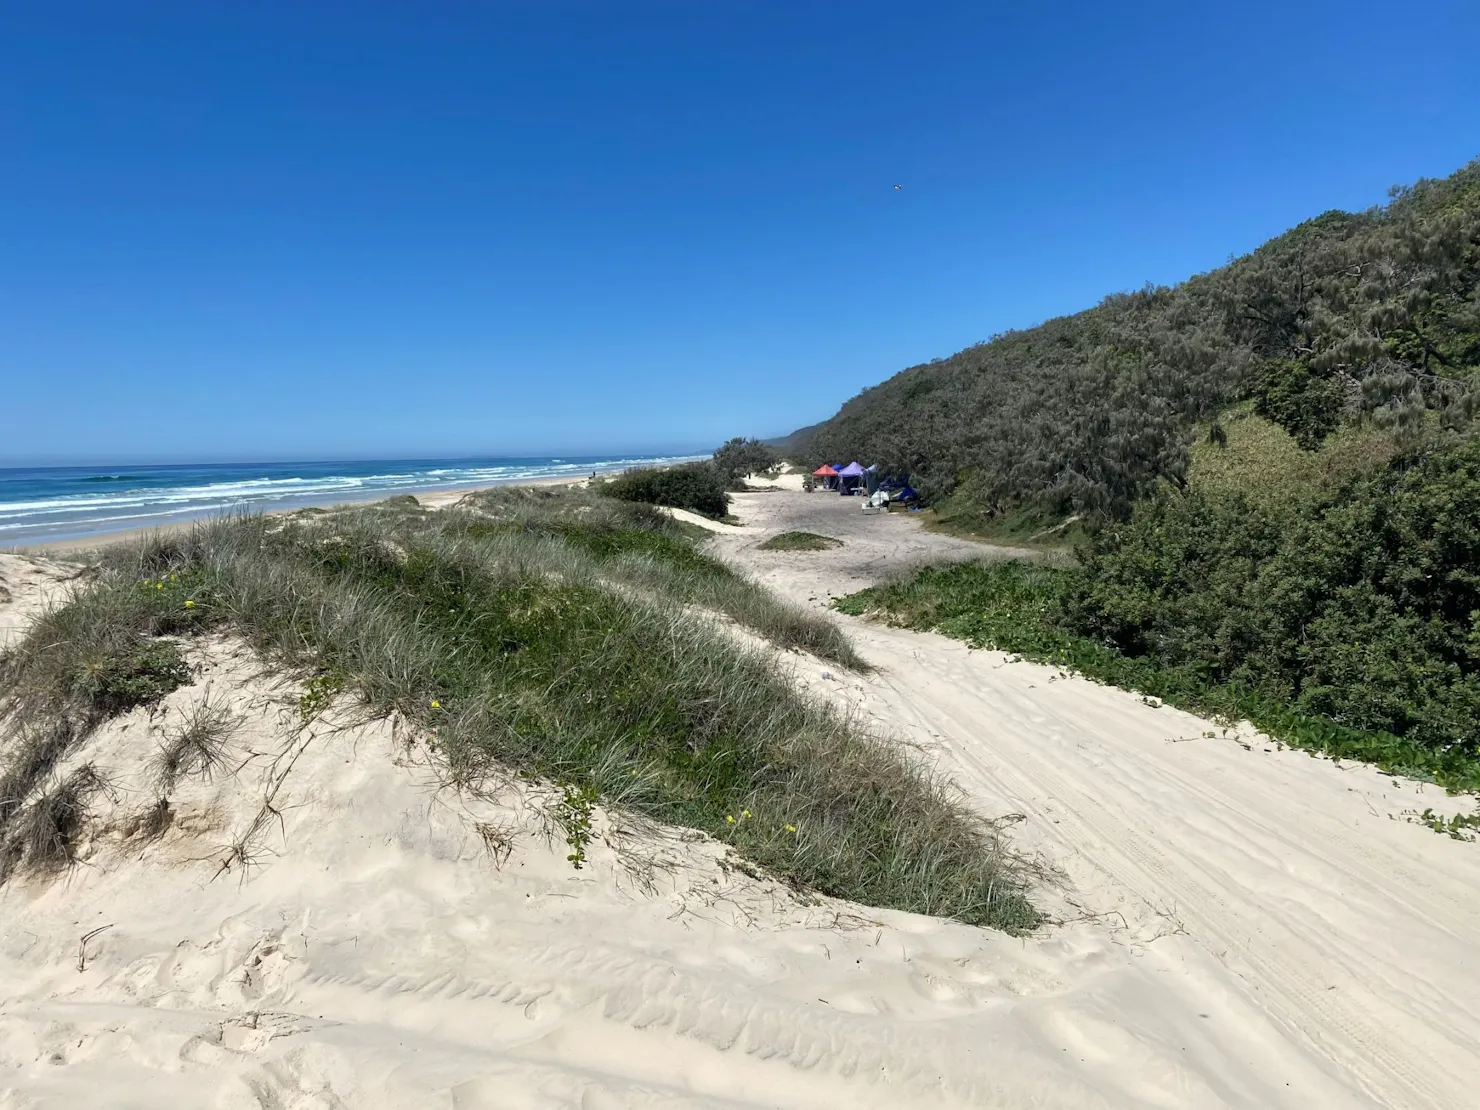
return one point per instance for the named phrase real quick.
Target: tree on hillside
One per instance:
(739, 458)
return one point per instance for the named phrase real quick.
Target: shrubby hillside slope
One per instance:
(1277, 473)
(1347, 318)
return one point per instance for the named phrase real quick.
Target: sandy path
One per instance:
(378, 954)
(1319, 938)
(27, 586)
(1245, 928)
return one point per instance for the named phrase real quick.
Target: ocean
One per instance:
(43, 504)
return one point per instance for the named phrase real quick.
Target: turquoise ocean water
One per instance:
(41, 504)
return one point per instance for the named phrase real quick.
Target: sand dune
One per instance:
(1243, 926)
(27, 586)
(377, 950)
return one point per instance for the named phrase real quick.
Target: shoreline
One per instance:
(435, 498)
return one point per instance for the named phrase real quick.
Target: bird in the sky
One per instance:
(897, 188)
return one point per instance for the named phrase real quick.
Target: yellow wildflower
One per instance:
(745, 813)
(189, 604)
(791, 828)
(729, 820)
(436, 704)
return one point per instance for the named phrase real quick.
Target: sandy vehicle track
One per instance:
(1296, 895)
(1242, 927)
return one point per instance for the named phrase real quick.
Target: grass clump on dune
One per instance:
(45, 835)
(565, 638)
(197, 745)
(109, 648)
(647, 549)
(799, 541)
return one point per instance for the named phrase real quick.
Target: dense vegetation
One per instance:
(697, 487)
(1270, 471)
(737, 459)
(1339, 614)
(700, 487)
(1348, 317)
(552, 633)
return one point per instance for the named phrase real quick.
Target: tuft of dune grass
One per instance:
(799, 541)
(197, 745)
(43, 834)
(108, 647)
(555, 638)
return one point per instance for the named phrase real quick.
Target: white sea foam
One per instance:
(117, 505)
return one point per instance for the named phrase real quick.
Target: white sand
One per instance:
(701, 521)
(1279, 915)
(27, 586)
(1254, 928)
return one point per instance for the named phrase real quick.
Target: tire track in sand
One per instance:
(1350, 932)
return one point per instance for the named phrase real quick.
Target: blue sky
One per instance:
(440, 229)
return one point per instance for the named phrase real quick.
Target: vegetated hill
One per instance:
(796, 441)
(1347, 318)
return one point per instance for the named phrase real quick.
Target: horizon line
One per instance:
(585, 453)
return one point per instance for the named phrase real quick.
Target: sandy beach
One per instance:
(435, 673)
(1235, 924)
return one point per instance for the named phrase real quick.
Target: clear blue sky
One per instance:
(255, 231)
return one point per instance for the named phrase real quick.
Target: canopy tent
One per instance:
(827, 475)
(850, 477)
(852, 470)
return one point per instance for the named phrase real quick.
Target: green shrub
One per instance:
(1349, 623)
(118, 681)
(101, 653)
(697, 487)
(1361, 608)
(1257, 458)
(1307, 405)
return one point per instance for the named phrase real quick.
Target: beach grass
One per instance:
(562, 636)
(799, 541)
